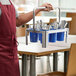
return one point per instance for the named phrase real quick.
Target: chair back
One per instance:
(20, 31)
(72, 24)
(52, 20)
(53, 74)
(72, 61)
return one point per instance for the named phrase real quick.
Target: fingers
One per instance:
(48, 7)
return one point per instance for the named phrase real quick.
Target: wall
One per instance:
(68, 3)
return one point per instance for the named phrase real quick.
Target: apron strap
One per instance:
(0, 4)
(10, 1)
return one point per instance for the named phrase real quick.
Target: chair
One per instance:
(72, 24)
(71, 65)
(51, 21)
(20, 31)
(54, 74)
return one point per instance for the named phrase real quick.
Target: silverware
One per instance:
(62, 24)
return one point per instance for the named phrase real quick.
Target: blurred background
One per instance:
(68, 9)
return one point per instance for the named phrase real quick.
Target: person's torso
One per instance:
(7, 26)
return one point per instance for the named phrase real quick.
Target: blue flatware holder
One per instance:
(60, 36)
(53, 37)
(40, 37)
(33, 37)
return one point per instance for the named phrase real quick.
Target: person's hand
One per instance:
(48, 7)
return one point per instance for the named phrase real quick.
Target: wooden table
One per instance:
(35, 49)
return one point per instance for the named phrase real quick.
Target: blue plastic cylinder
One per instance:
(53, 37)
(33, 37)
(40, 37)
(60, 36)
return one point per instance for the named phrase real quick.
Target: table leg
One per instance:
(48, 64)
(55, 61)
(32, 65)
(24, 65)
(66, 56)
(42, 66)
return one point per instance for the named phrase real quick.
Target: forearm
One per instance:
(24, 18)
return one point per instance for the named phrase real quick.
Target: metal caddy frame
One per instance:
(46, 32)
(45, 35)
